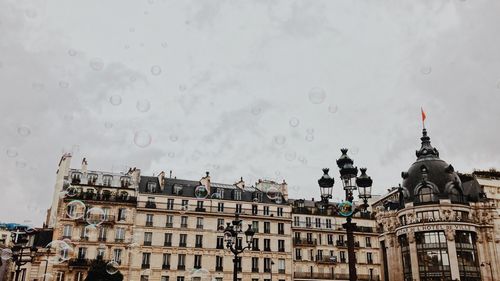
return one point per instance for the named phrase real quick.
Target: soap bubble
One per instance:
(142, 138)
(108, 125)
(6, 254)
(272, 193)
(426, 70)
(89, 231)
(171, 154)
(354, 150)
(317, 95)
(183, 209)
(96, 64)
(332, 108)
(294, 122)
(164, 44)
(63, 84)
(95, 216)
(182, 87)
(290, 155)
(23, 131)
(75, 209)
(302, 159)
(21, 164)
(112, 267)
(11, 152)
(278, 200)
(309, 137)
(280, 139)
(256, 110)
(72, 52)
(199, 274)
(143, 105)
(62, 251)
(115, 100)
(201, 192)
(156, 70)
(173, 138)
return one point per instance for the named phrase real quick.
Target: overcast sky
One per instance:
(252, 89)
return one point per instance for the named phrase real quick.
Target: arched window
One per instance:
(425, 194)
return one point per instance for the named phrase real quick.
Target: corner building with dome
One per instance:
(438, 224)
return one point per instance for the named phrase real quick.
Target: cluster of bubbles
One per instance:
(142, 138)
(96, 64)
(23, 131)
(279, 139)
(112, 267)
(309, 135)
(115, 100)
(62, 250)
(294, 122)
(64, 84)
(143, 105)
(426, 70)
(11, 152)
(256, 110)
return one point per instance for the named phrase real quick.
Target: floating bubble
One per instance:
(164, 44)
(256, 110)
(310, 131)
(6, 254)
(112, 267)
(290, 155)
(294, 122)
(426, 70)
(200, 274)
(156, 70)
(21, 164)
(96, 64)
(173, 138)
(115, 100)
(95, 216)
(215, 195)
(63, 84)
(317, 95)
(302, 159)
(126, 47)
(72, 52)
(71, 191)
(142, 138)
(171, 154)
(108, 125)
(272, 193)
(354, 150)
(309, 137)
(143, 105)
(280, 139)
(333, 108)
(182, 87)
(201, 192)
(183, 209)
(11, 152)
(89, 231)
(62, 251)
(75, 209)
(278, 200)
(23, 131)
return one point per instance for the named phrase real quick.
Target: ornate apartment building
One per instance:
(320, 244)
(439, 224)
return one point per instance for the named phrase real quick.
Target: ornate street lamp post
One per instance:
(231, 233)
(350, 182)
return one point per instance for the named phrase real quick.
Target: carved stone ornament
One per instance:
(489, 236)
(446, 214)
(450, 234)
(391, 242)
(479, 237)
(411, 237)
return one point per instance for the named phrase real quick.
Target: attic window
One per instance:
(220, 191)
(125, 181)
(106, 180)
(75, 177)
(92, 178)
(237, 195)
(300, 204)
(151, 187)
(177, 189)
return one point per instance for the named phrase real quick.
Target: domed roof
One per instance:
(430, 178)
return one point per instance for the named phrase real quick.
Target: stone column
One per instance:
(452, 254)
(413, 256)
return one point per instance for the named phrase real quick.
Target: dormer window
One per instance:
(151, 187)
(92, 179)
(177, 189)
(106, 180)
(237, 195)
(425, 194)
(76, 177)
(300, 204)
(125, 181)
(220, 191)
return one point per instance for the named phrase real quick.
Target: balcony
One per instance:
(79, 262)
(199, 226)
(145, 265)
(165, 266)
(268, 270)
(182, 244)
(167, 244)
(119, 240)
(169, 225)
(219, 246)
(255, 269)
(267, 249)
(147, 243)
(181, 267)
(326, 260)
(149, 223)
(330, 276)
(103, 197)
(198, 245)
(150, 205)
(281, 271)
(101, 239)
(341, 243)
(304, 242)
(281, 250)
(184, 225)
(200, 209)
(219, 268)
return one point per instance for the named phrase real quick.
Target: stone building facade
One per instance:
(438, 225)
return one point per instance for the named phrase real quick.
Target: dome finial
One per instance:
(426, 150)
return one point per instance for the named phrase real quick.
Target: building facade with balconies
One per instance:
(320, 244)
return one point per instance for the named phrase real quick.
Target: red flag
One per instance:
(423, 114)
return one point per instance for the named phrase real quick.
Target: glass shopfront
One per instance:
(468, 262)
(432, 252)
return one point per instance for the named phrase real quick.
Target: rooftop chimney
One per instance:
(84, 166)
